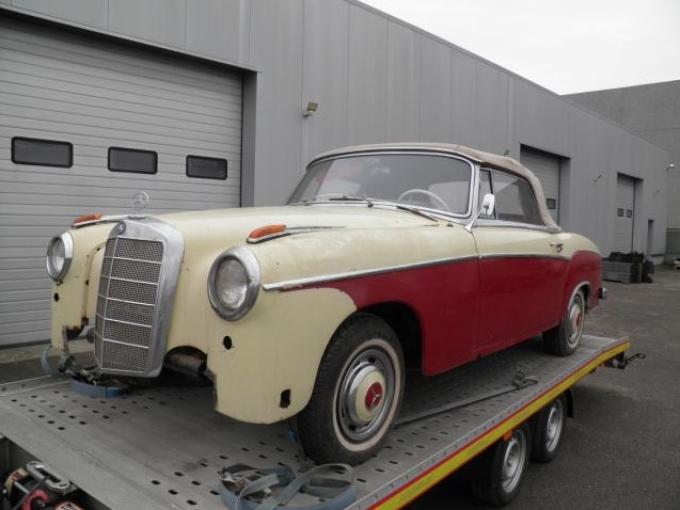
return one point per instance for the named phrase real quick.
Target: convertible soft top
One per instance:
(484, 158)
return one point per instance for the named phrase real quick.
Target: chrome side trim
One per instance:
(312, 280)
(485, 222)
(522, 256)
(302, 282)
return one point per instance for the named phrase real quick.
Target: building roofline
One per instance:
(626, 87)
(513, 74)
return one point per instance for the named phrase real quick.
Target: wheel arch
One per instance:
(585, 286)
(406, 324)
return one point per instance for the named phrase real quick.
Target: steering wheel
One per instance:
(417, 191)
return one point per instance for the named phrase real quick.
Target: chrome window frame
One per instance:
(495, 222)
(153, 229)
(433, 152)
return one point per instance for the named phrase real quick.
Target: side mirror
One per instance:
(488, 204)
(487, 208)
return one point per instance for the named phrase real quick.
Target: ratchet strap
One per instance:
(247, 488)
(66, 362)
(519, 382)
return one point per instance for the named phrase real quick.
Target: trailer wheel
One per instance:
(357, 395)
(500, 474)
(548, 430)
(564, 339)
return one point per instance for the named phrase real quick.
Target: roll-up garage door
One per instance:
(71, 107)
(625, 213)
(546, 167)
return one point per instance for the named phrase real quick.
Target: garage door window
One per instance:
(135, 161)
(33, 151)
(206, 168)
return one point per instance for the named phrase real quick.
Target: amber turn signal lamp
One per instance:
(87, 217)
(267, 230)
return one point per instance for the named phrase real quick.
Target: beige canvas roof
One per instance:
(484, 158)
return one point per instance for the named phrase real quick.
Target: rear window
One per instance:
(122, 159)
(35, 151)
(206, 168)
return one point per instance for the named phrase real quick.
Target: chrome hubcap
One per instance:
(554, 425)
(513, 461)
(366, 393)
(576, 316)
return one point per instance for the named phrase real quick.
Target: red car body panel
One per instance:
(474, 307)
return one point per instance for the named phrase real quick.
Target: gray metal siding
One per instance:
(625, 201)
(547, 168)
(94, 94)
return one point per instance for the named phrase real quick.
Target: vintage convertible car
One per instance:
(386, 257)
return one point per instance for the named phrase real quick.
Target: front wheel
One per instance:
(357, 395)
(566, 337)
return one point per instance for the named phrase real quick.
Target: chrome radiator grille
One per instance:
(135, 286)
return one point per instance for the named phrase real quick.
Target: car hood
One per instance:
(236, 224)
(339, 238)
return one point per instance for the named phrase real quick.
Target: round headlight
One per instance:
(59, 255)
(234, 282)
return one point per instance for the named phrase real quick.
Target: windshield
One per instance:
(424, 180)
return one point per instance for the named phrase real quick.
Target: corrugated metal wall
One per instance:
(547, 168)
(95, 94)
(625, 213)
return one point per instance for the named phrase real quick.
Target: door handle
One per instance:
(557, 246)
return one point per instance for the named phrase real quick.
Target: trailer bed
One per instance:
(161, 447)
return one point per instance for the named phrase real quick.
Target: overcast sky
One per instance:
(566, 46)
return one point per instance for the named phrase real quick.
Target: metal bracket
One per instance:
(54, 481)
(622, 361)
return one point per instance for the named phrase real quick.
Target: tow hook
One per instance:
(622, 361)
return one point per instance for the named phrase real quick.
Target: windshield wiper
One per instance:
(371, 203)
(415, 210)
(337, 198)
(351, 198)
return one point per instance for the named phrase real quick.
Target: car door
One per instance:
(521, 271)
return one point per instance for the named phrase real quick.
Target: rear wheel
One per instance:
(548, 430)
(358, 392)
(566, 337)
(499, 479)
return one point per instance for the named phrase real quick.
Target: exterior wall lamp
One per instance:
(311, 109)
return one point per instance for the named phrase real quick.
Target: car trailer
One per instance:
(161, 447)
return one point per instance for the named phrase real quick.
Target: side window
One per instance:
(484, 188)
(515, 199)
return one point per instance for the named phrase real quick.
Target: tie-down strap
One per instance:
(246, 488)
